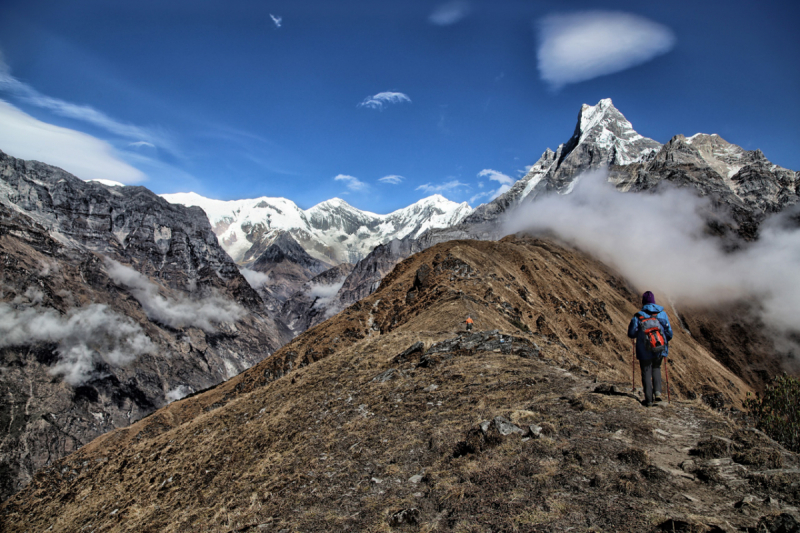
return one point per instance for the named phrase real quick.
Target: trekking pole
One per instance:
(633, 367)
(666, 375)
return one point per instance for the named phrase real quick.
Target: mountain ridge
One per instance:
(389, 415)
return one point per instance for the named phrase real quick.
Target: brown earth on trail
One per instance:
(390, 417)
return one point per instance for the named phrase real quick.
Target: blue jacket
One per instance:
(634, 333)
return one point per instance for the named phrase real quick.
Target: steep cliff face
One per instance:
(112, 303)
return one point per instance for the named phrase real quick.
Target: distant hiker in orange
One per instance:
(469, 323)
(650, 327)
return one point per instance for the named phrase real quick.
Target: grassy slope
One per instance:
(326, 448)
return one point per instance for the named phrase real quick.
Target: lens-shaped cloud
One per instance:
(447, 186)
(580, 46)
(394, 179)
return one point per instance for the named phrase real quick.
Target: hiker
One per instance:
(650, 327)
(469, 323)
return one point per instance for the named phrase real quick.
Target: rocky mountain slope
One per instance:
(113, 302)
(333, 231)
(388, 416)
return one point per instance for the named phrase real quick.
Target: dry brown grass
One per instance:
(327, 448)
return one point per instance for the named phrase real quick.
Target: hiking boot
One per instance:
(657, 398)
(645, 403)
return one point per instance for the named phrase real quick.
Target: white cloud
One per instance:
(381, 100)
(179, 392)
(580, 46)
(139, 144)
(174, 312)
(505, 182)
(393, 179)
(449, 13)
(496, 176)
(109, 183)
(255, 278)
(87, 157)
(325, 295)
(691, 268)
(276, 19)
(29, 95)
(442, 187)
(84, 337)
(353, 183)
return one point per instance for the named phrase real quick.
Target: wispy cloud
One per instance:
(381, 100)
(506, 182)
(353, 183)
(139, 144)
(84, 337)
(87, 157)
(496, 176)
(254, 278)
(580, 46)
(442, 187)
(177, 312)
(25, 93)
(393, 179)
(276, 19)
(450, 12)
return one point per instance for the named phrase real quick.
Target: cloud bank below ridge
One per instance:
(658, 241)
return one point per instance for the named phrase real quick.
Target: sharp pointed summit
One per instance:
(603, 137)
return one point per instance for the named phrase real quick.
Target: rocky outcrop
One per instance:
(113, 303)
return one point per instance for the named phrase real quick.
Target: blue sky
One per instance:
(261, 98)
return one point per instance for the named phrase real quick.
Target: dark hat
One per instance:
(648, 298)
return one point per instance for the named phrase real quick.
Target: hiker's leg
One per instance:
(647, 380)
(657, 375)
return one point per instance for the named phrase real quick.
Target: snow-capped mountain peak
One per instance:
(604, 126)
(332, 231)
